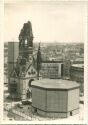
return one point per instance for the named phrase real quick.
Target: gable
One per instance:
(31, 72)
(13, 73)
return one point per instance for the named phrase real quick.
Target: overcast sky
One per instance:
(51, 21)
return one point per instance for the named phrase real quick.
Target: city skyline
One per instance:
(51, 22)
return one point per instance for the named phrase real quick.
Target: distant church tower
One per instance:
(24, 70)
(39, 61)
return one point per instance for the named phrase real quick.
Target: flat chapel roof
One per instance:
(55, 84)
(78, 65)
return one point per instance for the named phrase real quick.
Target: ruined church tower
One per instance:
(24, 70)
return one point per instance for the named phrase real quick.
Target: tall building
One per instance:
(13, 53)
(77, 74)
(66, 68)
(51, 69)
(23, 72)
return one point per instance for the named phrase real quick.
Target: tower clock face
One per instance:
(22, 61)
(30, 59)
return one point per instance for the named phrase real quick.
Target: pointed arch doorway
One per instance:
(29, 93)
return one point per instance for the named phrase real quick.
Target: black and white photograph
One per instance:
(44, 47)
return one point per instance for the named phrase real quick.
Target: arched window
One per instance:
(29, 84)
(26, 42)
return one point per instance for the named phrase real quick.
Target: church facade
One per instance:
(23, 72)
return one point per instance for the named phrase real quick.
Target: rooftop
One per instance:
(52, 61)
(55, 84)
